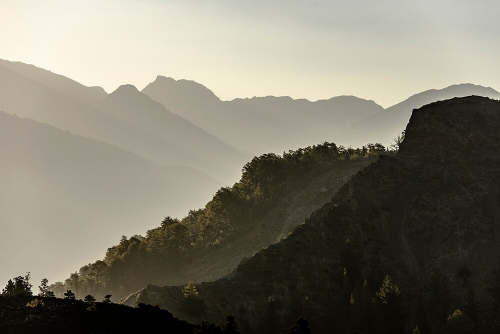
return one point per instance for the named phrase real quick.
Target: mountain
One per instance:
(274, 124)
(63, 197)
(279, 123)
(120, 119)
(408, 240)
(383, 126)
(56, 82)
(181, 142)
(274, 195)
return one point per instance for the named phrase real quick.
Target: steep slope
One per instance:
(185, 143)
(274, 195)
(428, 217)
(383, 126)
(120, 119)
(63, 197)
(289, 212)
(59, 83)
(274, 123)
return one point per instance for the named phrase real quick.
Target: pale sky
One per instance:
(379, 50)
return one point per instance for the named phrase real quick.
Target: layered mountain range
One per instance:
(277, 124)
(426, 219)
(261, 124)
(126, 118)
(104, 165)
(61, 191)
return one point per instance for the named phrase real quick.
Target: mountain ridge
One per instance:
(396, 116)
(69, 183)
(53, 101)
(419, 216)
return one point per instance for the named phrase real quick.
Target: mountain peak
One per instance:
(179, 90)
(127, 88)
(430, 131)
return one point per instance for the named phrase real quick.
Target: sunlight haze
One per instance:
(381, 51)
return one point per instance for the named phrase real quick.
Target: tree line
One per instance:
(137, 261)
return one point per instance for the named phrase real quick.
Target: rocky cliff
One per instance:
(430, 211)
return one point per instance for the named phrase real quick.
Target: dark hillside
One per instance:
(408, 241)
(38, 315)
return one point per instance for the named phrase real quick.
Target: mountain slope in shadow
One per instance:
(419, 217)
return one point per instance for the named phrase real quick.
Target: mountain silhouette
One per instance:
(274, 124)
(385, 125)
(280, 123)
(186, 144)
(59, 83)
(422, 217)
(63, 197)
(53, 99)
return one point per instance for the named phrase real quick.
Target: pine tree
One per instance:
(193, 303)
(69, 295)
(20, 286)
(89, 299)
(44, 289)
(459, 323)
(391, 314)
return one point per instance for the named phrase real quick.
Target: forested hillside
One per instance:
(408, 245)
(168, 253)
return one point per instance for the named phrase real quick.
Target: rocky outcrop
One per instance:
(433, 206)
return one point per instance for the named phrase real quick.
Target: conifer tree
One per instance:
(193, 303)
(89, 299)
(391, 314)
(44, 289)
(69, 295)
(458, 323)
(20, 286)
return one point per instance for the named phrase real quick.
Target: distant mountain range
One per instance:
(64, 197)
(385, 125)
(126, 118)
(275, 124)
(261, 124)
(116, 163)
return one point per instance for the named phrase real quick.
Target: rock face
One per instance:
(433, 206)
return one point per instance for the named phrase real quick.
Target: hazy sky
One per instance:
(379, 50)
